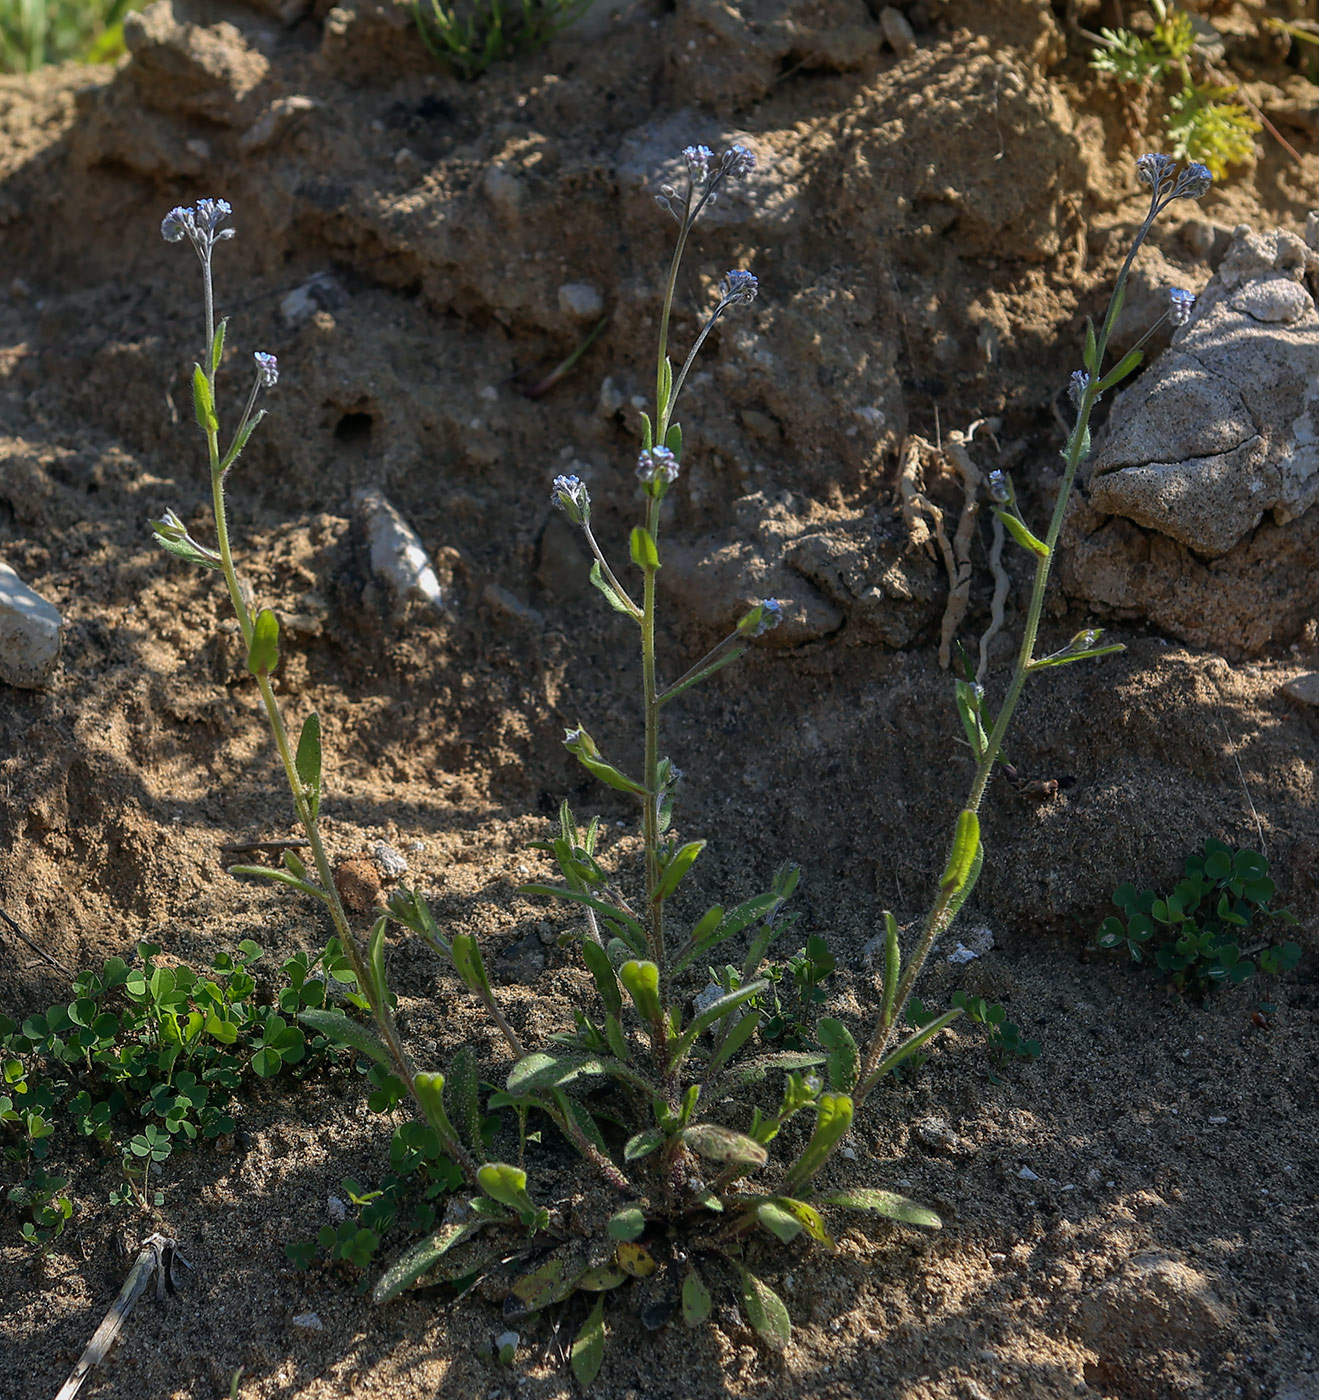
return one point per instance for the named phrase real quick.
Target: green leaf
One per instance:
(217, 345)
(464, 1099)
(308, 761)
(580, 744)
(673, 440)
(720, 1144)
(765, 1311)
(1022, 535)
(588, 1348)
(335, 1026)
(972, 876)
(909, 1047)
(176, 540)
(643, 1144)
(263, 654)
(833, 1117)
(886, 1203)
(716, 1011)
(612, 596)
(843, 1061)
(892, 965)
(647, 433)
(808, 1217)
(422, 1258)
(782, 1224)
(696, 1301)
(602, 970)
(966, 842)
(641, 978)
(469, 964)
(536, 1072)
(635, 935)
(505, 1184)
(968, 710)
(203, 406)
(1090, 359)
(682, 861)
(279, 877)
(644, 553)
(267, 1062)
(628, 1223)
(1125, 366)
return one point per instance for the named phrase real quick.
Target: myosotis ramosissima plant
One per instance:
(689, 1187)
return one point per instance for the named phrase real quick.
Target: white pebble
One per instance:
(30, 633)
(1027, 1175)
(309, 1322)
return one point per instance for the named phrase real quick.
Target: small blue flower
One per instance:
(569, 494)
(736, 162)
(999, 490)
(738, 288)
(267, 366)
(657, 467)
(1154, 170)
(1080, 383)
(699, 160)
(1180, 305)
(199, 225)
(1193, 181)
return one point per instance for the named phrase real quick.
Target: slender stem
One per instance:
(688, 219)
(650, 765)
(686, 365)
(607, 571)
(942, 912)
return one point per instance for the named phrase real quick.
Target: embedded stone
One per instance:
(31, 633)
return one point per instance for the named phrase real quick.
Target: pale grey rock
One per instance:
(897, 29)
(1303, 689)
(274, 122)
(398, 557)
(31, 633)
(581, 301)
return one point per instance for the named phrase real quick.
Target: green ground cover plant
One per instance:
(1165, 66)
(1210, 929)
(472, 34)
(702, 1128)
(36, 32)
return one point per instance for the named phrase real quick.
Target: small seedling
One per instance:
(1204, 933)
(1166, 66)
(470, 35)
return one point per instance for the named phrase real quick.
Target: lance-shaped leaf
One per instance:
(964, 893)
(809, 1218)
(203, 406)
(422, 1258)
(375, 961)
(909, 1047)
(833, 1117)
(968, 709)
(537, 1072)
(612, 596)
(630, 930)
(1125, 366)
(696, 1301)
(892, 965)
(641, 978)
(673, 440)
(263, 654)
(617, 1040)
(843, 1062)
(469, 964)
(1017, 529)
(580, 744)
(706, 937)
(966, 842)
(765, 1311)
(335, 1026)
(308, 761)
(737, 1037)
(245, 431)
(507, 1185)
(647, 432)
(886, 1203)
(781, 1223)
(682, 861)
(279, 877)
(1091, 358)
(588, 1348)
(645, 555)
(550, 1282)
(1065, 658)
(602, 970)
(716, 1011)
(643, 1144)
(750, 1072)
(217, 345)
(464, 1099)
(723, 1145)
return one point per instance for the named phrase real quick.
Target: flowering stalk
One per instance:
(1166, 184)
(201, 226)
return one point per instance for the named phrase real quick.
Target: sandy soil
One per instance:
(928, 228)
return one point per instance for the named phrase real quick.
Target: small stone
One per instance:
(393, 865)
(962, 954)
(897, 31)
(581, 301)
(1303, 689)
(309, 1322)
(522, 962)
(935, 1132)
(398, 556)
(336, 1209)
(274, 122)
(1027, 1175)
(509, 604)
(30, 633)
(1217, 1119)
(502, 188)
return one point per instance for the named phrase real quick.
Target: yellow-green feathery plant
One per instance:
(1203, 123)
(663, 1103)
